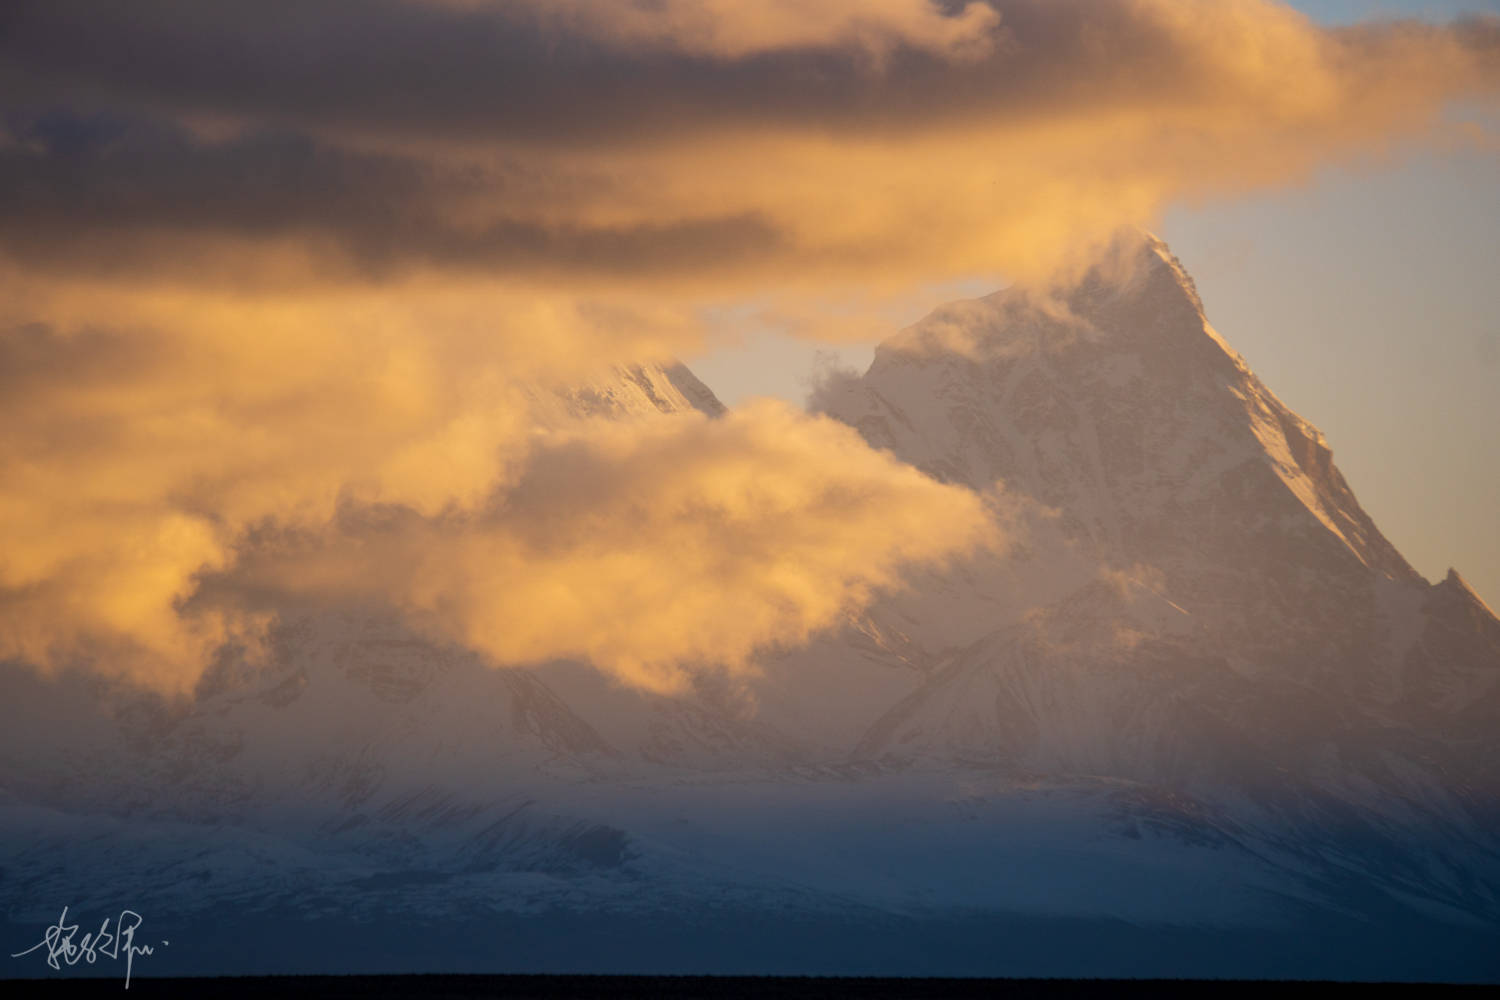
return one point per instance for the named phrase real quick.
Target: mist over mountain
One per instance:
(1197, 716)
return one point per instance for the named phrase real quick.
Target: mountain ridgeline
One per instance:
(1198, 718)
(1240, 586)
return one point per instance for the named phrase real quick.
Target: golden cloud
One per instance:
(177, 477)
(649, 549)
(273, 268)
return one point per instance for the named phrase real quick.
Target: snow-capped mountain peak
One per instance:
(1199, 692)
(1111, 398)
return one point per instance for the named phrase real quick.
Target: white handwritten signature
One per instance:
(60, 945)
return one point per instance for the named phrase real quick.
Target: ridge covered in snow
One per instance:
(1199, 692)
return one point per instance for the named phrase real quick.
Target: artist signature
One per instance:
(61, 946)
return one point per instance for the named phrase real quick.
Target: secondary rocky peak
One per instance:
(626, 392)
(1456, 590)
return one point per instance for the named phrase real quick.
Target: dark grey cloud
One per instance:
(516, 140)
(75, 188)
(502, 73)
(427, 69)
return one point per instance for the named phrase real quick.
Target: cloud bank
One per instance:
(709, 147)
(278, 276)
(178, 478)
(648, 550)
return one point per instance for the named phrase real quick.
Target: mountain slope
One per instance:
(1198, 696)
(1237, 577)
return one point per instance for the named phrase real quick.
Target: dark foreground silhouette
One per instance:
(668, 987)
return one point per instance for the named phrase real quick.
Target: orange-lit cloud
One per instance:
(177, 476)
(649, 549)
(271, 268)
